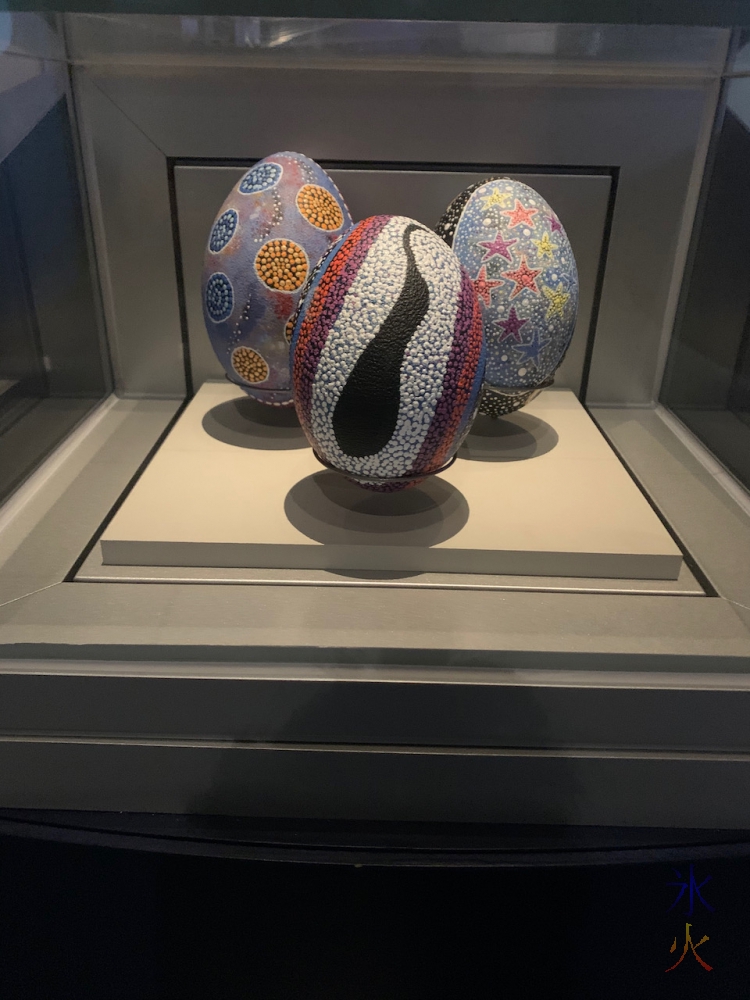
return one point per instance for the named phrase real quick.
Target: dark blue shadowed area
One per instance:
(707, 377)
(103, 922)
(52, 370)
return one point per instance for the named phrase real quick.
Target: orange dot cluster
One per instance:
(289, 328)
(249, 365)
(282, 265)
(319, 207)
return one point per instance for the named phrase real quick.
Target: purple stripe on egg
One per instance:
(352, 253)
(435, 445)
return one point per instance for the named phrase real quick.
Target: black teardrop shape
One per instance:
(365, 415)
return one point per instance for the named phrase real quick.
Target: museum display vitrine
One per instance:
(374, 415)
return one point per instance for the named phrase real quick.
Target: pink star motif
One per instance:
(484, 287)
(523, 278)
(520, 215)
(511, 326)
(497, 246)
(554, 224)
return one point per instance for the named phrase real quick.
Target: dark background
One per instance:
(726, 13)
(79, 921)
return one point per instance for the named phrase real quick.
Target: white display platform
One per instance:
(537, 493)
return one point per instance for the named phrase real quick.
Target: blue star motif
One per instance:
(530, 351)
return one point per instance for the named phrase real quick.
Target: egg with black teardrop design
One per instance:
(387, 354)
(366, 413)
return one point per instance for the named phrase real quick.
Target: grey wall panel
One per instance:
(472, 708)
(132, 221)
(496, 629)
(52, 517)
(580, 201)
(408, 116)
(37, 35)
(710, 523)
(349, 783)
(304, 41)
(653, 133)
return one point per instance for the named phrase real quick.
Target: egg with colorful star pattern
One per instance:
(387, 354)
(277, 222)
(522, 265)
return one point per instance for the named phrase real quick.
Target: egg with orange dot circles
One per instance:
(279, 219)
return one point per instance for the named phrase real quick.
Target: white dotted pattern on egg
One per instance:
(366, 306)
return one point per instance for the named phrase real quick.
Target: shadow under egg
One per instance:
(513, 438)
(332, 510)
(246, 423)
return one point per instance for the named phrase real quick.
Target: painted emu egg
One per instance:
(522, 265)
(387, 354)
(273, 228)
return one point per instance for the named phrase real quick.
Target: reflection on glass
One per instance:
(165, 39)
(51, 366)
(707, 381)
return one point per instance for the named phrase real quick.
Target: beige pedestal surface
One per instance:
(235, 484)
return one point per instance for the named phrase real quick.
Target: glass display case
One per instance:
(203, 608)
(707, 382)
(53, 360)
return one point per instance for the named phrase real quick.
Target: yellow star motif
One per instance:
(544, 246)
(557, 298)
(499, 198)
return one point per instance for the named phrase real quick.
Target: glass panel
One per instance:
(36, 36)
(165, 39)
(707, 381)
(51, 363)
(740, 61)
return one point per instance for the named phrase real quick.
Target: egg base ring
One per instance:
(497, 402)
(386, 481)
(248, 388)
